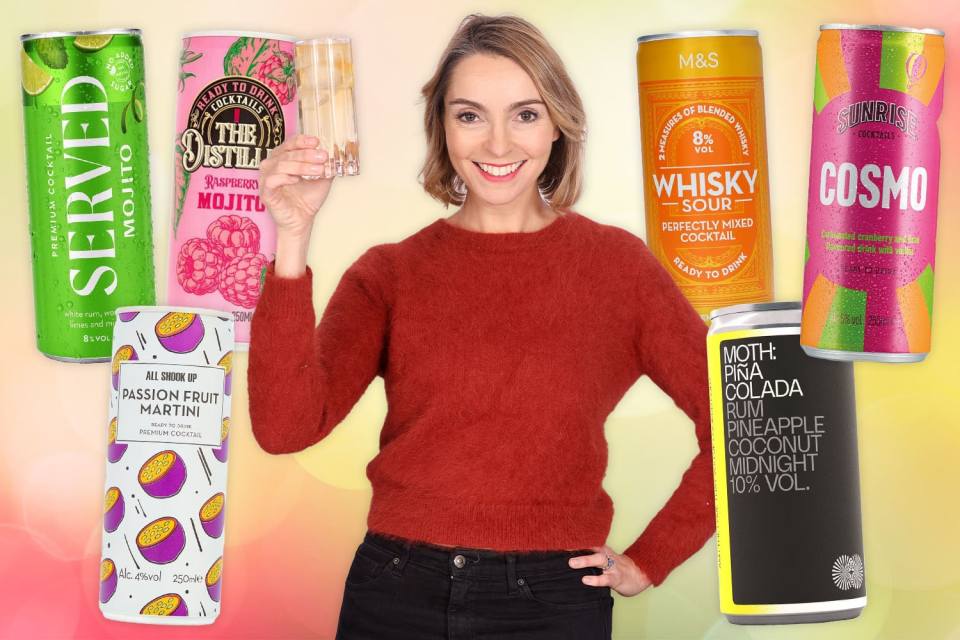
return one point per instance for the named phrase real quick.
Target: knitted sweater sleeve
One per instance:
(303, 380)
(671, 347)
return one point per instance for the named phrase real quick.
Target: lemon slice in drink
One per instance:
(92, 43)
(344, 74)
(34, 79)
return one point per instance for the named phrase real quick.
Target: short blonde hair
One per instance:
(516, 39)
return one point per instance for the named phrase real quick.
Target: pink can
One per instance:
(872, 204)
(237, 101)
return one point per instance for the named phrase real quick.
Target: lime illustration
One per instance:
(92, 43)
(34, 79)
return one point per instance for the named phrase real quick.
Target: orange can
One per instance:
(705, 184)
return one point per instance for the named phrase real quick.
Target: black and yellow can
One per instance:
(786, 474)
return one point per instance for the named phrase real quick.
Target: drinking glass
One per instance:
(324, 69)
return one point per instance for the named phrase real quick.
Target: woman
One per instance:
(505, 335)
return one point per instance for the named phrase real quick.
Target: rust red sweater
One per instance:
(502, 356)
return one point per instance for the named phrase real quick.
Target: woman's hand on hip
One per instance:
(619, 571)
(291, 199)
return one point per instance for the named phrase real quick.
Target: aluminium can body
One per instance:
(166, 471)
(703, 139)
(85, 130)
(786, 476)
(237, 100)
(872, 201)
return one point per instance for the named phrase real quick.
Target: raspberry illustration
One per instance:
(198, 264)
(240, 280)
(234, 235)
(276, 71)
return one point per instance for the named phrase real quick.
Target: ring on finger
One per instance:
(610, 563)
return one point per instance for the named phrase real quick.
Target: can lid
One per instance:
(325, 40)
(698, 34)
(209, 313)
(753, 307)
(878, 27)
(240, 34)
(67, 34)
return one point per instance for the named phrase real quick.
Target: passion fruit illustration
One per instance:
(113, 509)
(114, 451)
(179, 332)
(169, 604)
(220, 453)
(163, 475)
(212, 515)
(108, 580)
(124, 353)
(215, 579)
(162, 541)
(127, 316)
(227, 363)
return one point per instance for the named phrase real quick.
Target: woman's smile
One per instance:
(499, 172)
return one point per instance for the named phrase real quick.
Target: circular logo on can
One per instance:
(233, 123)
(848, 572)
(120, 69)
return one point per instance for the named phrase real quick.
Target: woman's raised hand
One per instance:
(292, 200)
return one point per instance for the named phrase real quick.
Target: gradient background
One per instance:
(294, 521)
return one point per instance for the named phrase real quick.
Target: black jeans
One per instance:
(399, 590)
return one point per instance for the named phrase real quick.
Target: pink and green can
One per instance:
(236, 102)
(872, 206)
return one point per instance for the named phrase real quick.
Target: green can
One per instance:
(88, 176)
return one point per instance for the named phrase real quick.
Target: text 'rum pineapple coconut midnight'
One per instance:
(237, 100)
(786, 476)
(85, 126)
(872, 202)
(705, 164)
(166, 472)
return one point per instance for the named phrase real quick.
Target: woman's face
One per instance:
(499, 134)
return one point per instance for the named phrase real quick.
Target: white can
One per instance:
(166, 480)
